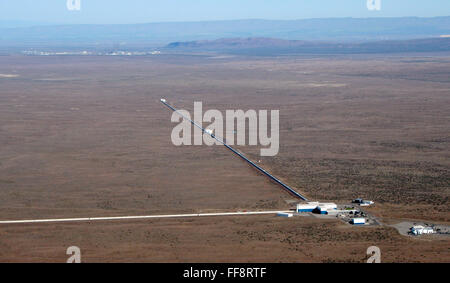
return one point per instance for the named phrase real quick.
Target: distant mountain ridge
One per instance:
(332, 29)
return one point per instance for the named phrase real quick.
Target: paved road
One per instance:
(88, 219)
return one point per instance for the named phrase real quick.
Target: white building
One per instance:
(306, 207)
(321, 208)
(328, 205)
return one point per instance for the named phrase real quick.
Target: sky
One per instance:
(147, 11)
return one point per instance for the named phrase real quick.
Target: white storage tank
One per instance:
(358, 221)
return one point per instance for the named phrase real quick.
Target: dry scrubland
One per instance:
(230, 239)
(86, 136)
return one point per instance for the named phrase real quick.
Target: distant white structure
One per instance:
(362, 202)
(419, 230)
(163, 100)
(358, 221)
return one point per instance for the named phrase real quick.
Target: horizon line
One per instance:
(33, 23)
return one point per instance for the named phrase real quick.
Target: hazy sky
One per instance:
(140, 11)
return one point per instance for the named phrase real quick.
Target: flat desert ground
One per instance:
(86, 136)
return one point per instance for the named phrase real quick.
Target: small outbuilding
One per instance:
(358, 221)
(284, 214)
